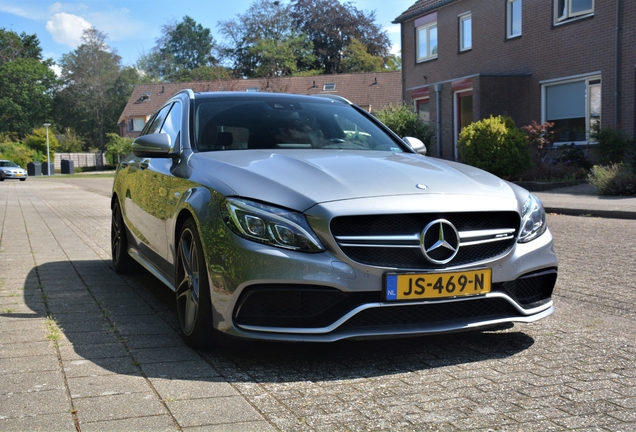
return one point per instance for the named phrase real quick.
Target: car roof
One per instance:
(269, 96)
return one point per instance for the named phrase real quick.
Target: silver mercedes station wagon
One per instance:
(297, 218)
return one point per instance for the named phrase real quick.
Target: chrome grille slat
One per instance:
(380, 240)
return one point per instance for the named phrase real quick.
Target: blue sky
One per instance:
(133, 25)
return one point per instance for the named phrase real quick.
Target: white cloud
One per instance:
(58, 70)
(67, 28)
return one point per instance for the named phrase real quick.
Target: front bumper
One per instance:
(292, 296)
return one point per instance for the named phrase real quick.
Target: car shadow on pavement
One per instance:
(110, 323)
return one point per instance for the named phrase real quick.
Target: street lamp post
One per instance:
(48, 160)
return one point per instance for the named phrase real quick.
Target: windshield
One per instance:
(8, 164)
(243, 124)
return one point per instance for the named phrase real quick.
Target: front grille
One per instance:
(438, 313)
(393, 240)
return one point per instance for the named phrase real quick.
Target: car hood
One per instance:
(299, 179)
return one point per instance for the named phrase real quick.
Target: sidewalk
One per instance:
(583, 200)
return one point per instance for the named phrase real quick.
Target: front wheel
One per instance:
(194, 306)
(122, 261)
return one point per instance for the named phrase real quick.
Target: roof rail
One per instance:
(189, 92)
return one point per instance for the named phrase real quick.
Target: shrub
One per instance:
(540, 137)
(614, 146)
(117, 147)
(614, 179)
(573, 155)
(18, 153)
(496, 145)
(404, 122)
(36, 140)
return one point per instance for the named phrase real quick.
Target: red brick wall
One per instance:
(544, 52)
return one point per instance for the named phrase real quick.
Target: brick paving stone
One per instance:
(126, 368)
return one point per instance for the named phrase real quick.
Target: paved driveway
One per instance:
(82, 348)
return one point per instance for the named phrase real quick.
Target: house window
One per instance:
(328, 86)
(424, 110)
(465, 32)
(136, 124)
(568, 9)
(513, 14)
(574, 107)
(253, 89)
(427, 42)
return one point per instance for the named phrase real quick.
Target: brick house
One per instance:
(571, 62)
(372, 91)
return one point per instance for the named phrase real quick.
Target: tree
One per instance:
(355, 58)
(182, 48)
(13, 46)
(117, 147)
(332, 26)
(89, 74)
(265, 42)
(26, 83)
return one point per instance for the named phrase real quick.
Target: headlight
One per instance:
(269, 225)
(533, 222)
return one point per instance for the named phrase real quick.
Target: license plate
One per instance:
(18, 175)
(416, 286)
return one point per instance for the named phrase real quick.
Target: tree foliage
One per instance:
(36, 141)
(332, 26)
(265, 43)
(117, 147)
(356, 59)
(182, 48)
(95, 88)
(26, 83)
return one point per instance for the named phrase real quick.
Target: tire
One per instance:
(1, 175)
(122, 262)
(194, 306)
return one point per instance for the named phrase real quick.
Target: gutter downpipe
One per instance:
(617, 60)
(438, 97)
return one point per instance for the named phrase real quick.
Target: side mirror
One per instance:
(416, 145)
(152, 145)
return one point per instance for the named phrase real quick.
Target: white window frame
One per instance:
(329, 86)
(429, 51)
(511, 7)
(135, 120)
(464, 43)
(594, 80)
(567, 13)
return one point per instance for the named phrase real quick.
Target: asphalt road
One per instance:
(118, 363)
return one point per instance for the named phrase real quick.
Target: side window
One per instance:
(172, 124)
(465, 32)
(154, 125)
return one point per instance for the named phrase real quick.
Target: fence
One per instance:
(80, 159)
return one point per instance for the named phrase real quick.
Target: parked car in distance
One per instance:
(11, 170)
(299, 218)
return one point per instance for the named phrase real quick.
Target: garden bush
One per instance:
(614, 179)
(496, 145)
(614, 146)
(404, 122)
